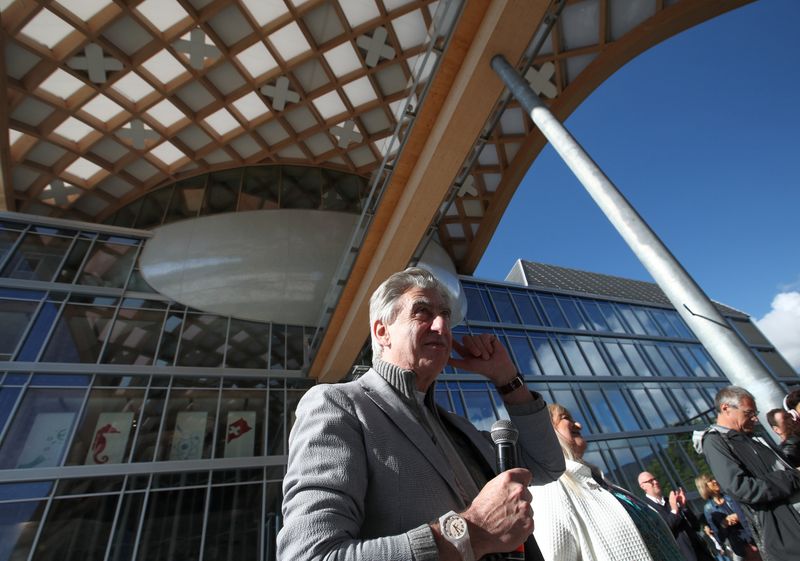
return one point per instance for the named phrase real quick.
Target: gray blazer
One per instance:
(364, 478)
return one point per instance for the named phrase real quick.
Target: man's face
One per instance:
(419, 338)
(784, 424)
(742, 417)
(650, 484)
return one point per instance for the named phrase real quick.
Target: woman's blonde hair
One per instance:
(701, 482)
(556, 410)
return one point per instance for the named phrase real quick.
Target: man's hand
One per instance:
(680, 496)
(673, 501)
(500, 518)
(732, 519)
(486, 355)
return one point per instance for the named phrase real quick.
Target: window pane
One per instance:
(150, 422)
(222, 192)
(553, 312)
(705, 361)
(79, 334)
(618, 358)
(649, 411)
(574, 356)
(40, 428)
(595, 315)
(658, 362)
(547, 356)
(15, 315)
(601, 410)
(187, 199)
(278, 347)
(632, 353)
(202, 340)
(247, 344)
(566, 397)
(173, 522)
(505, 309)
(18, 526)
(108, 265)
(669, 356)
(153, 208)
(688, 358)
(37, 257)
(621, 409)
(679, 325)
(475, 308)
(664, 405)
(7, 239)
(134, 337)
(295, 347)
(631, 319)
(233, 523)
(594, 357)
(77, 529)
(126, 527)
(74, 260)
(574, 317)
(664, 323)
(276, 425)
(170, 337)
(526, 308)
(526, 362)
(479, 408)
(301, 187)
(611, 317)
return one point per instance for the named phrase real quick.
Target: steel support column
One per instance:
(724, 345)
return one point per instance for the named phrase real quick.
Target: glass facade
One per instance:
(131, 426)
(135, 428)
(633, 375)
(242, 189)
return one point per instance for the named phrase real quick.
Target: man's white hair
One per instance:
(732, 395)
(383, 303)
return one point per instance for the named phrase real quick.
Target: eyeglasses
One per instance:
(747, 412)
(649, 481)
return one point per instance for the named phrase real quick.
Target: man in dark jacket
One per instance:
(754, 474)
(680, 519)
(784, 425)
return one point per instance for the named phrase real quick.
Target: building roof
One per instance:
(541, 275)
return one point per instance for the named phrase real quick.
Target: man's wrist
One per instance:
(514, 383)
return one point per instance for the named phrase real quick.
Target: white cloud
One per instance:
(782, 326)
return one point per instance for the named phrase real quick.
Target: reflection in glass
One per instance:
(134, 337)
(553, 312)
(572, 312)
(18, 526)
(621, 409)
(278, 347)
(595, 315)
(261, 188)
(674, 364)
(611, 317)
(247, 344)
(295, 347)
(479, 407)
(37, 257)
(153, 207)
(523, 355)
(15, 315)
(276, 422)
(618, 358)
(222, 191)
(547, 356)
(649, 411)
(7, 240)
(40, 429)
(594, 356)
(526, 308)
(574, 356)
(505, 309)
(173, 525)
(232, 531)
(475, 309)
(79, 334)
(122, 542)
(108, 264)
(301, 187)
(639, 365)
(202, 340)
(602, 412)
(77, 529)
(74, 260)
(187, 199)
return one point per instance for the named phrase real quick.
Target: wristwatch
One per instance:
(454, 529)
(516, 382)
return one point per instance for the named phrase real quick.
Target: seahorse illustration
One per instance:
(100, 442)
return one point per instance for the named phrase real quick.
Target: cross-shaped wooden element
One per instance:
(346, 133)
(137, 134)
(196, 48)
(280, 93)
(468, 187)
(375, 46)
(59, 192)
(540, 80)
(95, 63)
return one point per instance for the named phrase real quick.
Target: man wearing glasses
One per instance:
(751, 472)
(676, 513)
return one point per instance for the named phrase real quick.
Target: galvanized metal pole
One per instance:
(724, 345)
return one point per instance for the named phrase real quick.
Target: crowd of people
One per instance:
(377, 470)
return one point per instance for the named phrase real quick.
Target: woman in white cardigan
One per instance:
(582, 517)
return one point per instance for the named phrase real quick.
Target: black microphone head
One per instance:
(504, 432)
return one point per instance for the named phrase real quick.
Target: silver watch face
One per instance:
(455, 527)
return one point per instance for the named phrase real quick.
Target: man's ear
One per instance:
(381, 332)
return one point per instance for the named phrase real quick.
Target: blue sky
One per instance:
(701, 133)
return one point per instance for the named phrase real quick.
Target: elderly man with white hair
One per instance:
(377, 470)
(752, 473)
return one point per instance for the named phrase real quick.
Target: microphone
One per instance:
(505, 435)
